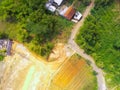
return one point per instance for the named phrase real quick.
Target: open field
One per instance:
(75, 74)
(24, 71)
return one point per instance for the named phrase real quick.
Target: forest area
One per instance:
(1, 57)
(28, 22)
(100, 37)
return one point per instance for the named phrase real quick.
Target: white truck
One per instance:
(77, 17)
(50, 7)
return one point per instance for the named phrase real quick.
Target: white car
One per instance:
(50, 7)
(77, 16)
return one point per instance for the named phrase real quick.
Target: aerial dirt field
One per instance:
(24, 71)
(75, 74)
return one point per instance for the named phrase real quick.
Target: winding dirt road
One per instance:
(72, 44)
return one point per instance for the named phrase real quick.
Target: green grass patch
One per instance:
(1, 57)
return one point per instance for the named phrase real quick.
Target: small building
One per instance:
(5, 47)
(59, 2)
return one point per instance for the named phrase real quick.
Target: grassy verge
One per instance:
(30, 23)
(13, 31)
(1, 57)
(79, 5)
(34, 26)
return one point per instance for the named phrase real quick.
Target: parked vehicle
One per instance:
(50, 7)
(77, 17)
(69, 13)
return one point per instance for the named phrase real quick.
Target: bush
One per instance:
(1, 57)
(99, 37)
(95, 73)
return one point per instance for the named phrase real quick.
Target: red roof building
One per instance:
(69, 13)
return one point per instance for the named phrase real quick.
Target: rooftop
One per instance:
(5, 46)
(69, 13)
(58, 1)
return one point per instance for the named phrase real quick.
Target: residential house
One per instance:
(69, 14)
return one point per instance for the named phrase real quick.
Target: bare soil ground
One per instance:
(23, 71)
(75, 74)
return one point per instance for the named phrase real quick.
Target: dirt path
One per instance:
(72, 44)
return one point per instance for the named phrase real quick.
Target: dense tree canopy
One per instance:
(28, 21)
(100, 37)
(102, 3)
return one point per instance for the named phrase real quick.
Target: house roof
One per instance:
(7, 45)
(69, 13)
(58, 1)
(63, 10)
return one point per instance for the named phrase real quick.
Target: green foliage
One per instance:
(100, 37)
(88, 62)
(29, 22)
(117, 45)
(80, 5)
(2, 35)
(102, 3)
(1, 57)
(2, 51)
(95, 73)
(85, 2)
